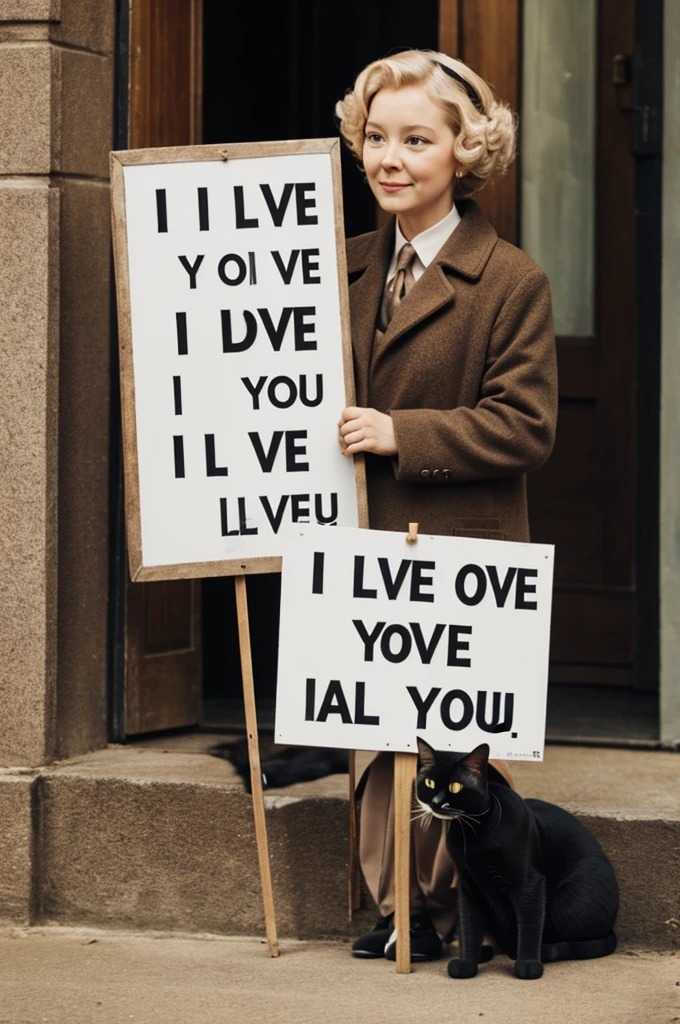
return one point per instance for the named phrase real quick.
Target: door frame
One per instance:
(648, 92)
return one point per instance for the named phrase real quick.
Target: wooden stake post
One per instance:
(255, 769)
(404, 774)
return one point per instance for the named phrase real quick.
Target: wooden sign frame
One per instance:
(183, 154)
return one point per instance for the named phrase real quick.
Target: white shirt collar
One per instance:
(427, 244)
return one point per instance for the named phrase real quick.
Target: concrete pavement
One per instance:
(82, 976)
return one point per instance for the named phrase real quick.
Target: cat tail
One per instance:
(586, 950)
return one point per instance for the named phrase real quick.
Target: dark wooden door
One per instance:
(163, 620)
(583, 499)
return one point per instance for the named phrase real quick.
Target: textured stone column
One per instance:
(56, 80)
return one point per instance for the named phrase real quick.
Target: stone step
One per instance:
(159, 835)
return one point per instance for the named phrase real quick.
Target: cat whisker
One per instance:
(462, 831)
(463, 819)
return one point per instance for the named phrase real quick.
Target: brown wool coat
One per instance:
(467, 370)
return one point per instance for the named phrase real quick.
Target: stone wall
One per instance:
(56, 130)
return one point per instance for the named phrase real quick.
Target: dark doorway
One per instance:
(275, 71)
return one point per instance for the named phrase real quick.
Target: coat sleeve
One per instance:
(511, 429)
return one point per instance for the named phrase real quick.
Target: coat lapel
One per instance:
(371, 262)
(466, 253)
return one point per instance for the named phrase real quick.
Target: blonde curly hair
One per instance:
(485, 143)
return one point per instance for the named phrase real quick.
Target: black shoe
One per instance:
(425, 942)
(372, 945)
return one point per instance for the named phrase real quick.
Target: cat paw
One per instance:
(486, 953)
(528, 970)
(462, 968)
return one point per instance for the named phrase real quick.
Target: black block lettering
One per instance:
(422, 706)
(239, 208)
(426, 651)
(368, 639)
(495, 725)
(177, 389)
(282, 403)
(266, 459)
(318, 571)
(242, 271)
(456, 645)
(161, 210)
(277, 210)
(311, 403)
(309, 700)
(396, 657)
(305, 203)
(178, 445)
(182, 341)
(332, 517)
(276, 334)
(299, 506)
(203, 219)
(480, 591)
(418, 581)
(524, 588)
(211, 467)
(226, 532)
(310, 267)
(500, 590)
(191, 268)
(293, 450)
(334, 703)
(360, 716)
(468, 709)
(243, 519)
(301, 328)
(274, 517)
(359, 590)
(254, 390)
(228, 345)
(393, 586)
(286, 270)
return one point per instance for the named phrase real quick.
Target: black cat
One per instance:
(287, 766)
(531, 875)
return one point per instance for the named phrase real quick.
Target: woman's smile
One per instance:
(407, 135)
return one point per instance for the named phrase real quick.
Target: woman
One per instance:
(454, 359)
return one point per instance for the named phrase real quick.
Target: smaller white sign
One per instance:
(381, 640)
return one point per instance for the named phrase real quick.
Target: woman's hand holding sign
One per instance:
(366, 430)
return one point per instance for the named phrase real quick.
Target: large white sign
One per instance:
(381, 640)
(237, 354)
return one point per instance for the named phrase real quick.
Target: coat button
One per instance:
(446, 474)
(425, 473)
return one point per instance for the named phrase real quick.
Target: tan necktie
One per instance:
(399, 286)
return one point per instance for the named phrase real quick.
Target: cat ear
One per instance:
(426, 754)
(477, 760)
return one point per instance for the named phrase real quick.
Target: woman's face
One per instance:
(408, 157)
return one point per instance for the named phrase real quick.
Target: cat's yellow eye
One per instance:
(455, 787)
(429, 783)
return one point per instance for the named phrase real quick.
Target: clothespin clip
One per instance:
(223, 154)
(412, 535)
